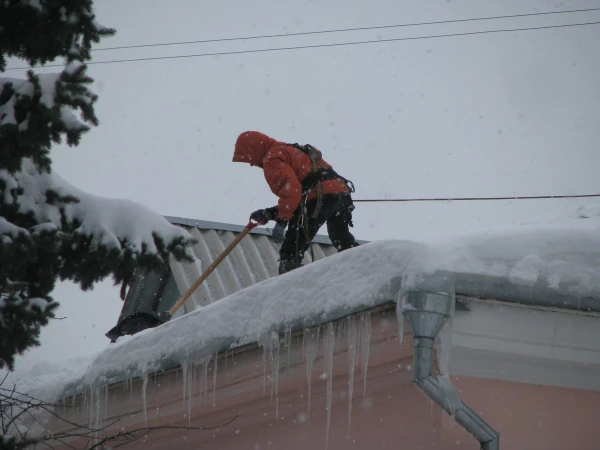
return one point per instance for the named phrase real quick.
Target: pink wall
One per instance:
(393, 414)
(528, 416)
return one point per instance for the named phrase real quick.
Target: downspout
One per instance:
(426, 314)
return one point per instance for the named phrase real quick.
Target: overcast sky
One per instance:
(500, 114)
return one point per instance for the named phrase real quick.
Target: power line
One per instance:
(375, 41)
(340, 30)
(470, 199)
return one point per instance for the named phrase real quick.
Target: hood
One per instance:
(251, 147)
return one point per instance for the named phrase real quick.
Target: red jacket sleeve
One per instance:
(283, 182)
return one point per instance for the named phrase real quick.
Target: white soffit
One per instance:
(516, 343)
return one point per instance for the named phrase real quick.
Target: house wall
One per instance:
(527, 416)
(246, 411)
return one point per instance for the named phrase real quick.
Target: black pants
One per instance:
(336, 211)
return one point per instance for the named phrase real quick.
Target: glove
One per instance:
(278, 233)
(262, 216)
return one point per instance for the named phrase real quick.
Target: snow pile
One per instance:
(562, 259)
(108, 221)
(526, 257)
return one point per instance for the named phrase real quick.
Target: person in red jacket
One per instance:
(310, 194)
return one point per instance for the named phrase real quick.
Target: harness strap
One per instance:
(319, 174)
(319, 193)
(303, 223)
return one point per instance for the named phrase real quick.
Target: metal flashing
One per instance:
(221, 226)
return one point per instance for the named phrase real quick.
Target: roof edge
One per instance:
(221, 226)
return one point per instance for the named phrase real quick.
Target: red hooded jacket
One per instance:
(284, 166)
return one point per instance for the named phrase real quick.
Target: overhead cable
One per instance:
(341, 44)
(342, 30)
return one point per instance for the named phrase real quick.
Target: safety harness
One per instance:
(313, 180)
(319, 173)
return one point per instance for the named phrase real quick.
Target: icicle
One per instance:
(205, 378)
(400, 317)
(195, 371)
(184, 376)
(91, 401)
(264, 371)
(190, 394)
(328, 346)
(95, 408)
(270, 364)
(189, 382)
(351, 337)
(105, 414)
(215, 379)
(200, 383)
(275, 378)
(270, 344)
(144, 385)
(288, 344)
(365, 343)
(310, 341)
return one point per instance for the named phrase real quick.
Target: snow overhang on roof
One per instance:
(549, 267)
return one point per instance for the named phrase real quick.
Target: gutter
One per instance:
(426, 314)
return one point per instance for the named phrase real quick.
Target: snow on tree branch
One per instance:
(40, 31)
(51, 230)
(111, 223)
(38, 111)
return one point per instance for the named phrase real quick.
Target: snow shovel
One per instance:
(141, 320)
(167, 316)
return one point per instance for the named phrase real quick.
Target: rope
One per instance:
(470, 199)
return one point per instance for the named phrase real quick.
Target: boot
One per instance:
(287, 265)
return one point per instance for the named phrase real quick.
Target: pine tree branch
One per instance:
(40, 32)
(49, 230)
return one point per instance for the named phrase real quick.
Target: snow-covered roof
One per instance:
(554, 265)
(253, 260)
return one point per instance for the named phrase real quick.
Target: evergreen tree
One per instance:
(50, 230)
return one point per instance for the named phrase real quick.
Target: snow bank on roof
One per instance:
(319, 292)
(563, 259)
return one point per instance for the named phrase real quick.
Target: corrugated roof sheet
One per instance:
(253, 260)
